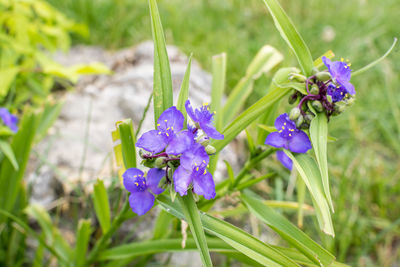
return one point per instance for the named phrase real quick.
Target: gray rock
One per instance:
(80, 146)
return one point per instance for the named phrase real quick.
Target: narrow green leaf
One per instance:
(309, 172)
(127, 136)
(162, 72)
(101, 205)
(218, 86)
(7, 76)
(319, 139)
(318, 62)
(192, 217)
(301, 194)
(5, 147)
(266, 59)
(288, 231)
(231, 174)
(184, 92)
(291, 36)
(370, 65)
(49, 116)
(82, 241)
(235, 237)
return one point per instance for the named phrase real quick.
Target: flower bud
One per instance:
(292, 99)
(294, 113)
(329, 98)
(349, 101)
(203, 140)
(309, 117)
(317, 106)
(210, 150)
(299, 121)
(160, 163)
(340, 107)
(314, 89)
(323, 76)
(314, 71)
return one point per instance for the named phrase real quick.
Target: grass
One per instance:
(364, 162)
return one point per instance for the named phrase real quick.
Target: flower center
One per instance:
(139, 182)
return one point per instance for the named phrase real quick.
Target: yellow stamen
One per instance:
(136, 184)
(205, 104)
(342, 59)
(172, 128)
(159, 132)
(167, 134)
(197, 169)
(158, 124)
(283, 127)
(290, 134)
(205, 171)
(165, 120)
(284, 123)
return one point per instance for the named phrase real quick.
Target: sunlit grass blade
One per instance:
(309, 172)
(287, 230)
(265, 60)
(82, 241)
(370, 65)
(319, 139)
(291, 36)
(7, 151)
(184, 91)
(192, 217)
(101, 205)
(235, 237)
(162, 72)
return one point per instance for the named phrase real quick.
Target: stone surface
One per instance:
(79, 147)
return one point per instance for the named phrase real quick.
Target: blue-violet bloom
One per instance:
(288, 136)
(193, 170)
(141, 199)
(169, 124)
(337, 93)
(341, 74)
(9, 119)
(204, 118)
(284, 159)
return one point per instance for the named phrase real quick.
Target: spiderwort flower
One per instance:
(204, 118)
(141, 199)
(193, 170)
(341, 74)
(9, 119)
(169, 124)
(337, 93)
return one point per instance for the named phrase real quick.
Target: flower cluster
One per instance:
(183, 153)
(328, 91)
(9, 119)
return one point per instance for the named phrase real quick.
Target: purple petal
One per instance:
(133, 180)
(348, 86)
(276, 140)
(182, 180)
(340, 71)
(284, 121)
(203, 184)
(327, 62)
(190, 111)
(9, 119)
(180, 143)
(141, 202)
(195, 156)
(299, 142)
(284, 159)
(170, 120)
(152, 141)
(154, 177)
(210, 130)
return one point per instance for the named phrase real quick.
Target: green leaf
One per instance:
(265, 60)
(101, 205)
(184, 92)
(267, 128)
(291, 36)
(235, 237)
(49, 115)
(162, 73)
(318, 62)
(288, 231)
(319, 139)
(7, 150)
(82, 241)
(370, 65)
(309, 172)
(127, 136)
(218, 86)
(192, 217)
(231, 174)
(7, 76)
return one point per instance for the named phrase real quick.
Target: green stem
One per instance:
(102, 242)
(192, 217)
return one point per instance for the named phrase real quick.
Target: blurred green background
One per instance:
(364, 162)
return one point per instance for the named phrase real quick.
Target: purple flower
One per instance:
(284, 159)
(204, 118)
(341, 74)
(168, 125)
(288, 136)
(141, 199)
(336, 92)
(193, 170)
(9, 119)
